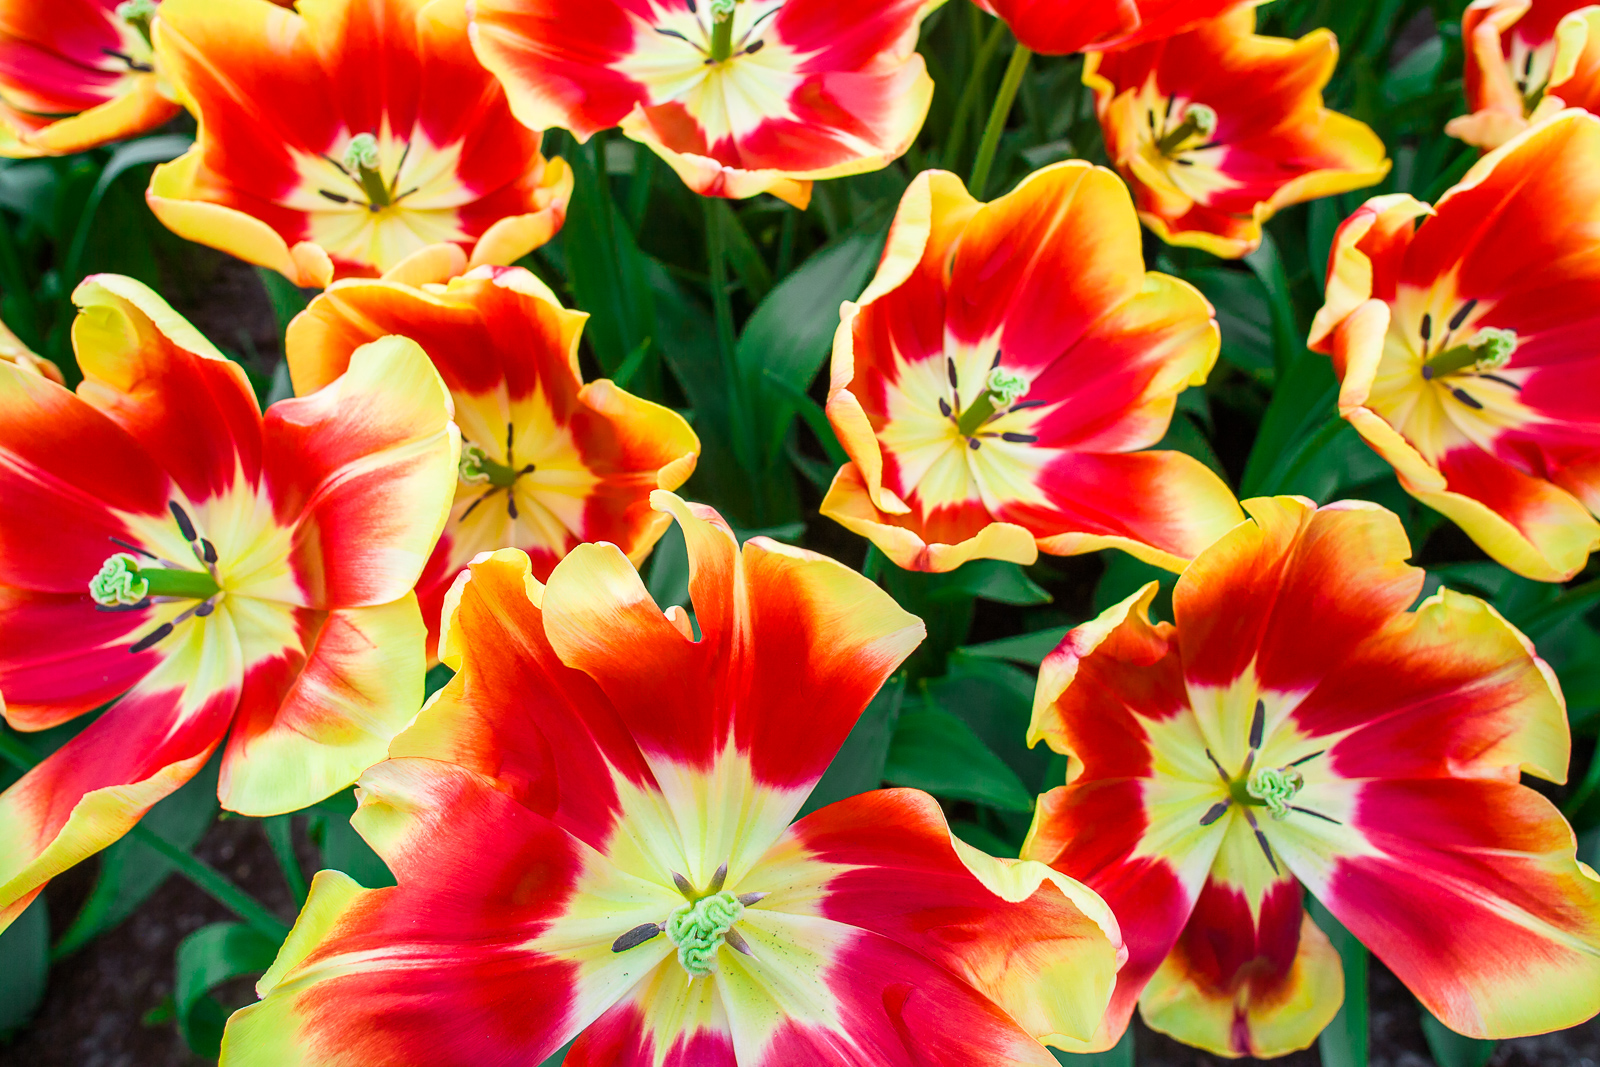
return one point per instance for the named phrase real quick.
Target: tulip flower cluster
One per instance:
(599, 826)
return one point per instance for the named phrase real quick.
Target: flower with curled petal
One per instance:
(14, 352)
(75, 74)
(1465, 345)
(548, 461)
(347, 138)
(1219, 128)
(1297, 728)
(1057, 27)
(591, 830)
(997, 385)
(1526, 60)
(208, 572)
(740, 97)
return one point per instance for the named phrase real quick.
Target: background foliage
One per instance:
(726, 311)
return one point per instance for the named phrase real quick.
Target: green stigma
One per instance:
(138, 14)
(1275, 787)
(362, 152)
(361, 160)
(1006, 387)
(700, 928)
(1493, 347)
(473, 468)
(119, 583)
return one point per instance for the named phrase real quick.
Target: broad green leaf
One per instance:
(1303, 406)
(24, 966)
(559, 1058)
(858, 768)
(995, 699)
(1185, 435)
(206, 959)
(437, 678)
(1119, 1055)
(1416, 74)
(287, 299)
(990, 579)
(1029, 649)
(1124, 576)
(131, 870)
(937, 752)
(667, 576)
(345, 850)
(1451, 1049)
(1346, 1042)
(982, 839)
(1242, 313)
(158, 149)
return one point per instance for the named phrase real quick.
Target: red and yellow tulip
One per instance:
(345, 139)
(1465, 347)
(1057, 27)
(213, 572)
(997, 383)
(1218, 128)
(14, 352)
(739, 96)
(75, 74)
(1526, 60)
(1299, 727)
(591, 831)
(548, 462)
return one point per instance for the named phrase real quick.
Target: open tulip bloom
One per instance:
(1526, 60)
(590, 826)
(1298, 726)
(75, 74)
(1219, 128)
(996, 383)
(547, 461)
(1465, 346)
(214, 572)
(739, 96)
(1058, 27)
(345, 139)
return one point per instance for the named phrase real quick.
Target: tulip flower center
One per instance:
(700, 927)
(1486, 351)
(479, 468)
(1002, 394)
(1274, 787)
(138, 14)
(124, 583)
(722, 29)
(1199, 123)
(1530, 69)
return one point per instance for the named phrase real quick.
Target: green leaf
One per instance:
(24, 966)
(345, 850)
(668, 576)
(559, 1058)
(130, 154)
(1119, 1055)
(990, 579)
(1124, 576)
(607, 272)
(1346, 1042)
(131, 870)
(982, 839)
(1416, 74)
(937, 752)
(286, 298)
(1029, 649)
(1451, 1049)
(437, 678)
(1242, 313)
(1302, 406)
(859, 766)
(206, 959)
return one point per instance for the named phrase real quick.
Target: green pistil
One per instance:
(1274, 787)
(1003, 390)
(478, 469)
(700, 928)
(121, 582)
(1197, 119)
(362, 157)
(1489, 349)
(138, 14)
(721, 29)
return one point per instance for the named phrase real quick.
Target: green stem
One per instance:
(997, 119)
(1180, 133)
(373, 185)
(1449, 361)
(721, 38)
(969, 94)
(190, 585)
(727, 344)
(976, 415)
(196, 870)
(280, 835)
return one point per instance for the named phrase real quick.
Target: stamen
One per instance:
(636, 937)
(735, 940)
(1220, 772)
(151, 638)
(1427, 327)
(335, 197)
(185, 527)
(1020, 438)
(1467, 398)
(683, 885)
(748, 899)
(130, 546)
(718, 880)
(1258, 723)
(474, 505)
(1261, 839)
(944, 408)
(1316, 814)
(208, 551)
(1461, 315)
(1215, 812)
